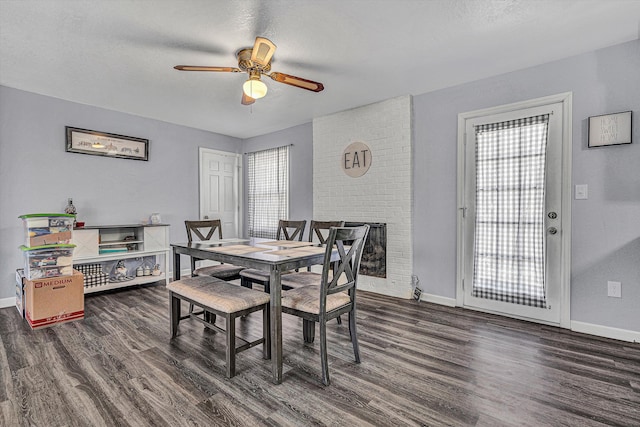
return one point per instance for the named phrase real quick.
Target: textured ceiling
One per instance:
(120, 55)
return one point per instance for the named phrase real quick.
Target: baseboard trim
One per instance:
(583, 327)
(437, 299)
(7, 302)
(404, 293)
(605, 331)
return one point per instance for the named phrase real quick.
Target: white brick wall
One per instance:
(384, 194)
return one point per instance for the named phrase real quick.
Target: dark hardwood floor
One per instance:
(422, 364)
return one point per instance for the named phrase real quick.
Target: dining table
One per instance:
(272, 256)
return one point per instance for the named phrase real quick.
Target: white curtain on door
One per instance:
(509, 250)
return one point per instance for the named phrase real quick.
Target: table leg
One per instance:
(176, 265)
(276, 324)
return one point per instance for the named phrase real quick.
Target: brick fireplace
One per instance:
(381, 197)
(374, 254)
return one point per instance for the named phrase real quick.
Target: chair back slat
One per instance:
(320, 229)
(290, 230)
(349, 242)
(199, 228)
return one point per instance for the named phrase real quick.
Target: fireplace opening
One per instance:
(374, 253)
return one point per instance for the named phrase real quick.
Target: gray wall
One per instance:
(37, 175)
(301, 173)
(606, 227)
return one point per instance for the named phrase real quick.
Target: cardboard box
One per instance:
(54, 300)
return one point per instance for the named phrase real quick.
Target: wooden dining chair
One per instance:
(318, 232)
(335, 294)
(291, 230)
(287, 230)
(205, 230)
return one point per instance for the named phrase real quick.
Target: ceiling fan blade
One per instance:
(297, 82)
(199, 68)
(263, 50)
(247, 100)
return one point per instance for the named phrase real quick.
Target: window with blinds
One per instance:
(268, 190)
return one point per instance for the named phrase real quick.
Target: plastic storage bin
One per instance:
(47, 229)
(48, 261)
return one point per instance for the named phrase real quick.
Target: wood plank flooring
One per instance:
(422, 364)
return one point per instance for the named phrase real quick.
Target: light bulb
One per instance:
(254, 88)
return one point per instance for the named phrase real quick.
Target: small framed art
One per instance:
(610, 129)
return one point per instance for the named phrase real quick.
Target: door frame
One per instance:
(239, 184)
(566, 99)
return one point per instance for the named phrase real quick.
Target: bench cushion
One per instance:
(259, 275)
(221, 271)
(252, 273)
(218, 294)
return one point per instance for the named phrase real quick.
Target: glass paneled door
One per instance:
(512, 212)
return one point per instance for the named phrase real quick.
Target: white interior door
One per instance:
(219, 189)
(512, 214)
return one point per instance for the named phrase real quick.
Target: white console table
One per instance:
(131, 244)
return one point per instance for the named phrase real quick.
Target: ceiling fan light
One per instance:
(254, 88)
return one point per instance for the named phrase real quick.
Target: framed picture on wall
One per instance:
(610, 129)
(85, 141)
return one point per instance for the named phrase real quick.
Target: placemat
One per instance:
(286, 243)
(236, 249)
(297, 251)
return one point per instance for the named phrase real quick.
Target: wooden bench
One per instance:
(219, 298)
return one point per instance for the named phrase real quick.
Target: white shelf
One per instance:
(115, 285)
(120, 242)
(115, 256)
(150, 240)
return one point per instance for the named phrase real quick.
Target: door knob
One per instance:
(552, 230)
(552, 215)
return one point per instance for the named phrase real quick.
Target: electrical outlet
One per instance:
(614, 289)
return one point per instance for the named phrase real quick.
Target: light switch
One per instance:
(582, 192)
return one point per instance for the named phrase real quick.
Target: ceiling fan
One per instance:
(257, 62)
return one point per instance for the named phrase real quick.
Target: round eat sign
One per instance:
(356, 159)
